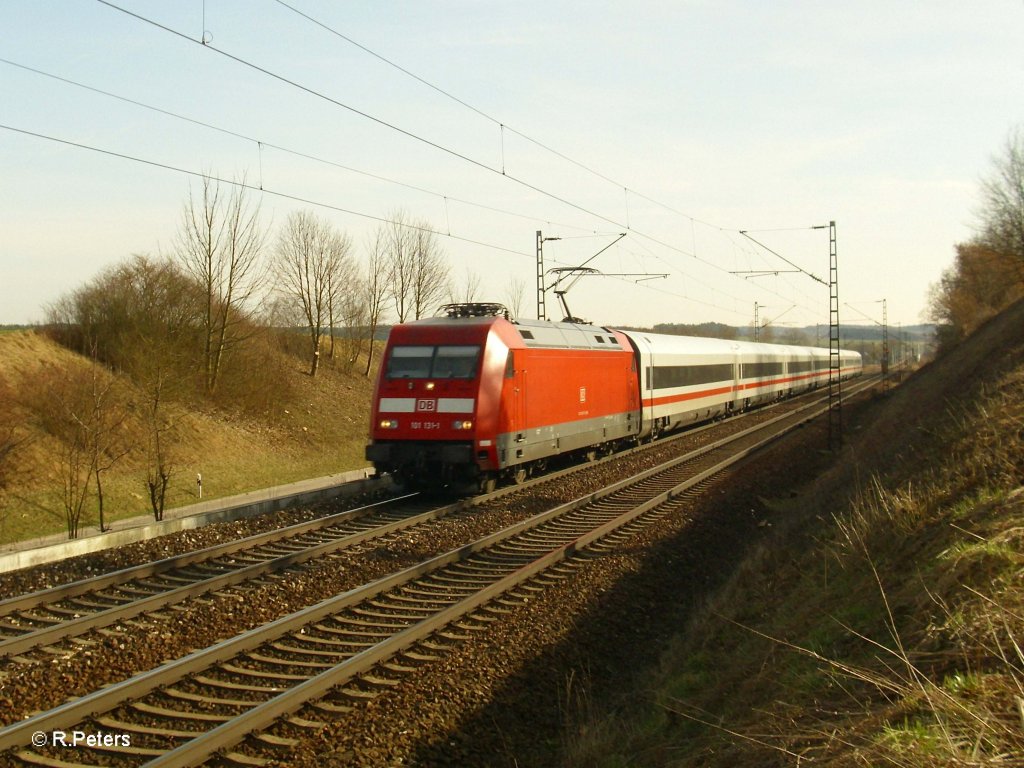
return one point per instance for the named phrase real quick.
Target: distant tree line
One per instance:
(710, 330)
(988, 273)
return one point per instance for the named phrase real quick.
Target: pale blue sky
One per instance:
(701, 119)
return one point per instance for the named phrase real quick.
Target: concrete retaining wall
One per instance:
(195, 516)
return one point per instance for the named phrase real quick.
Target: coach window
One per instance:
(760, 370)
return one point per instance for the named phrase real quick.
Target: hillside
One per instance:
(309, 428)
(882, 620)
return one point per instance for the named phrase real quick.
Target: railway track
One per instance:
(344, 649)
(43, 618)
(39, 624)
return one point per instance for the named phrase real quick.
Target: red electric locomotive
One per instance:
(473, 397)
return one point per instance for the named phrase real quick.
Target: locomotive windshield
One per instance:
(429, 362)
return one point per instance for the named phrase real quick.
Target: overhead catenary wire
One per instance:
(254, 188)
(354, 110)
(407, 133)
(862, 314)
(264, 144)
(330, 206)
(798, 268)
(297, 153)
(299, 199)
(503, 126)
(322, 204)
(693, 278)
(502, 171)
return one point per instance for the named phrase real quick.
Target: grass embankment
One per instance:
(313, 427)
(883, 623)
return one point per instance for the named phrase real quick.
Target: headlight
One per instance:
(389, 423)
(460, 424)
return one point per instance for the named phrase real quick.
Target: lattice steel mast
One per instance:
(835, 395)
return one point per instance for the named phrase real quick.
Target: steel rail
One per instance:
(156, 567)
(115, 614)
(16, 644)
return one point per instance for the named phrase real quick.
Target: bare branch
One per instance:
(220, 245)
(312, 262)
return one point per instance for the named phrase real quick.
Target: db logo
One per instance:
(426, 405)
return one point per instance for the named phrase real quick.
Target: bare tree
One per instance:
(160, 377)
(220, 246)
(159, 435)
(334, 299)
(12, 437)
(376, 286)
(470, 289)
(515, 292)
(83, 412)
(398, 246)
(981, 282)
(353, 316)
(1002, 215)
(431, 272)
(417, 266)
(129, 313)
(143, 317)
(988, 273)
(311, 260)
(346, 303)
(109, 439)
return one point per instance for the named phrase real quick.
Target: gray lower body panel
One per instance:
(543, 442)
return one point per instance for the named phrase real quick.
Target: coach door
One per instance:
(737, 390)
(521, 396)
(647, 385)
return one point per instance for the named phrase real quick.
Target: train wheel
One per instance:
(521, 474)
(488, 482)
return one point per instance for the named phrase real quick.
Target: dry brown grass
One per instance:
(883, 625)
(284, 427)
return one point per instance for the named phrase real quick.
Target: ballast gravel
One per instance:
(514, 692)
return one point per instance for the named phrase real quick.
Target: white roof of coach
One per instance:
(543, 333)
(668, 344)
